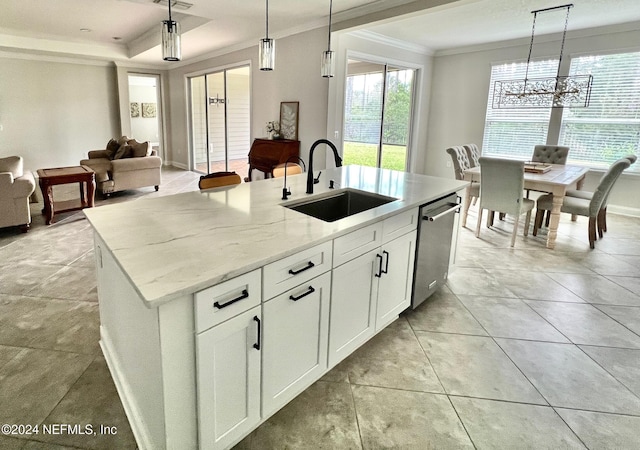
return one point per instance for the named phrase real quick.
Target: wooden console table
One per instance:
(83, 175)
(265, 154)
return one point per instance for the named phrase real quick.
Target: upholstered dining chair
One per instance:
(461, 163)
(501, 186)
(587, 195)
(218, 179)
(551, 154)
(590, 208)
(473, 153)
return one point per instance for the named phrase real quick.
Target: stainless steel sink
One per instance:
(341, 204)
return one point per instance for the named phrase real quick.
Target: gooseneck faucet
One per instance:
(285, 191)
(310, 180)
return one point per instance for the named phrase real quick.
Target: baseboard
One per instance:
(124, 391)
(177, 164)
(623, 210)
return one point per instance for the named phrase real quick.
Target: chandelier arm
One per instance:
(564, 35)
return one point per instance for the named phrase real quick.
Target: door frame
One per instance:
(162, 137)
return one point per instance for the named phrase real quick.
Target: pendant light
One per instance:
(328, 56)
(170, 38)
(267, 48)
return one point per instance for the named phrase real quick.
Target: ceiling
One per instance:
(129, 30)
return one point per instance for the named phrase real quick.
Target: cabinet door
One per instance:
(394, 290)
(228, 376)
(296, 327)
(353, 292)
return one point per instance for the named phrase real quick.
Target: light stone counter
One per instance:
(180, 244)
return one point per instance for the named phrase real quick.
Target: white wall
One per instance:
(460, 89)
(52, 113)
(348, 44)
(296, 78)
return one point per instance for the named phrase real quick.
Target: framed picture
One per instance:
(148, 110)
(135, 109)
(289, 120)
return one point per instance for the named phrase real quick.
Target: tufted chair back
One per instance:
(473, 153)
(460, 160)
(552, 154)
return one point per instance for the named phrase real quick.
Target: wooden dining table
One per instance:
(555, 181)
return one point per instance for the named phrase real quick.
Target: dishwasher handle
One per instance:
(453, 208)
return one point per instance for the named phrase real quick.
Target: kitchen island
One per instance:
(218, 307)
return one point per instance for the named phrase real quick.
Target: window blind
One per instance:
(514, 132)
(610, 127)
(363, 108)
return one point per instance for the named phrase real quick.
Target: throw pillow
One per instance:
(139, 149)
(123, 152)
(122, 141)
(112, 148)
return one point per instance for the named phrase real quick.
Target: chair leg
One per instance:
(546, 221)
(537, 222)
(490, 218)
(480, 211)
(604, 220)
(600, 219)
(515, 230)
(527, 222)
(475, 200)
(592, 232)
(501, 216)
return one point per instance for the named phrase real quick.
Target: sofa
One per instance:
(125, 164)
(16, 186)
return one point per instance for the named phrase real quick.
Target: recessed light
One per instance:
(85, 30)
(116, 38)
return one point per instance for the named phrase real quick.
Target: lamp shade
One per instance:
(267, 54)
(171, 40)
(327, 64)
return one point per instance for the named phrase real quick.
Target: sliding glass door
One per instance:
(378, 114)
(220, 121)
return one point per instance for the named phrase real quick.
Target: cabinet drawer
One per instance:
(400, 224)
(227, 299)
(356, 243)
(289, 272)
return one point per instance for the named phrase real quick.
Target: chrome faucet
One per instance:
(310, 179)
(285, 191)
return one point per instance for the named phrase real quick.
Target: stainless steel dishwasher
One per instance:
(433, 249)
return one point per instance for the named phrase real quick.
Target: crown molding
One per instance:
(393, 42)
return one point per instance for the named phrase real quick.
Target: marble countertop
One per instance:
(179, 244)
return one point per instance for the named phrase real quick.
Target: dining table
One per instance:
(555, 180)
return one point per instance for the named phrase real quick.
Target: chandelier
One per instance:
(552, 92)
(170, 38)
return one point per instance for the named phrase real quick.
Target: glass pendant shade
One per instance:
(267, 54)
(327, 64)
(171, 40)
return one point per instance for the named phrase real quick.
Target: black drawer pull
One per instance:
(245, 294)
(309, 265)
(379, 274)
(310, 291)
(386, 265)
(257, 344)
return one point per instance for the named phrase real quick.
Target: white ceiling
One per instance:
(129, 30)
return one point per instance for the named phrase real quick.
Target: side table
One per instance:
(83, 175)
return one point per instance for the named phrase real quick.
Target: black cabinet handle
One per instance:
(386, 265)
(379, 274)
(245, 294)
(257, 344)
(310, 291)
(309, 265)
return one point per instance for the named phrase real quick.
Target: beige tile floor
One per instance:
(524, 348)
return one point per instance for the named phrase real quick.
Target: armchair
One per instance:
(16, 187)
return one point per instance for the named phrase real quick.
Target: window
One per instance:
(514, 132)
(610, 127)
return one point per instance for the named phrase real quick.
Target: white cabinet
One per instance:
(294, 355)
(353, 292)
(228, 375)
(394, 286)
(371, 289)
